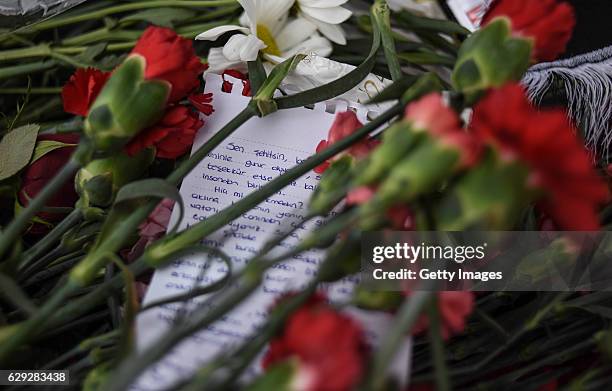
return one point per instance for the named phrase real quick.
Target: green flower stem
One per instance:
(25, 69)
(103, 340)
(381, 13)
(10, 235)
(437, 346)
(51, 238)
(33, 91)
(405, 319)
(100, 14)
(14, 338)
(244, 285)
(43, 50)
(74, 125)
(14, 294)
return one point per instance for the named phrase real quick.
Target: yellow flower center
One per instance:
(266, 36)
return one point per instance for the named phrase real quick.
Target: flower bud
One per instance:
(332, 186)
(491, 196)
(99, 181)
(127, 104)
(397, 142)
(491, 57)
(419, 173)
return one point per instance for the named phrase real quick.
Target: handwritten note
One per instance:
(256, 153)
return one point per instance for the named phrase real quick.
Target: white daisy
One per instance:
(264, 19)
(327, 16)
(269, 30)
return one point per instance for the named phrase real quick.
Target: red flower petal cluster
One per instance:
(549, 22)
(329, 346)
(546, 142)
(171, 58)
(36, 176)
(454, 308)
(432, 115)
(202, 103)
(168, 57)
(82, 90)
(344, 125)
(172, 136)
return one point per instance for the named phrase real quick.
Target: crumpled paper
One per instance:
(19, 13)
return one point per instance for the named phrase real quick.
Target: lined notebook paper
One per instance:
(257, 152)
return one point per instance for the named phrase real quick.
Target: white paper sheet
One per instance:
(257, 152)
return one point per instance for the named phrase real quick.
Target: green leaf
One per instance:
(46, 146)
(257, 75)
(16, 149)
(380, 12)
(165, 17)
(338, 86)
(155, 188)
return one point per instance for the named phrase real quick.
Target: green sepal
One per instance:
(491, 57)
(397, 142)
(427, 167)
(332, 186)
(127, 104)
(491, 196)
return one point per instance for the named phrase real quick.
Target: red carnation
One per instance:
(82, 90)
(546, 142)
(454, 308)
(172, 136)
(171, 58)
(39, 173)
(328, 346)
(431, 114)
(548, 22)
(344, 125)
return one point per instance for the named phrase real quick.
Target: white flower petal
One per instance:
(294, 32)
(217, 62)
(334, 15)
(321, 3)
(250, 14)
(251, 47)
(214, 33)
(234, 46)
(273, 14)
(333, 32)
